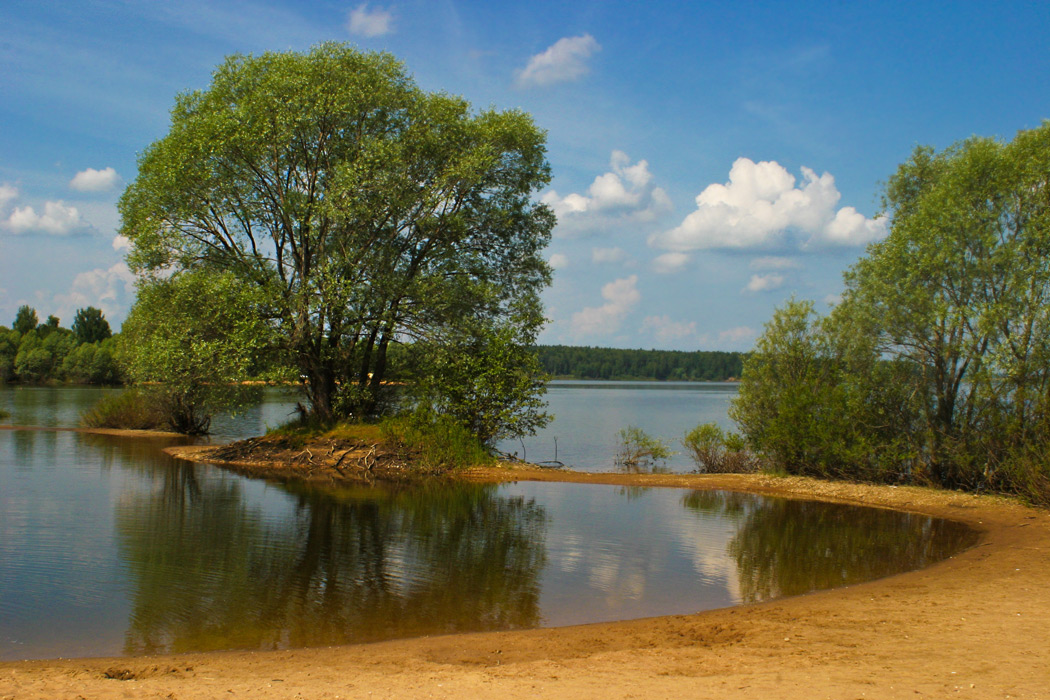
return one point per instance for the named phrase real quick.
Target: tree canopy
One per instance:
(361, 210)
(90, 325)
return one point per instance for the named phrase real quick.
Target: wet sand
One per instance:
(974, 626)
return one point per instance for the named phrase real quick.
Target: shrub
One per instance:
(639, 450)
(132, 409)
(715, 451)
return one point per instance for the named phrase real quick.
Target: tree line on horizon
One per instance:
(34, 352)
(585, 362)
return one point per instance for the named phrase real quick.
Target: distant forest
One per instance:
(574, 362)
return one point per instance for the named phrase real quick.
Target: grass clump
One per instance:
(424, 440)
(301, 431)
(131, 409)
(435, 441)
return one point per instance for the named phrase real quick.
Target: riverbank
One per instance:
(972, 627)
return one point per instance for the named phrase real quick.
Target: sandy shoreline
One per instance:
(975, 626)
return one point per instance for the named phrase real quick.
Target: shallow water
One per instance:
(108, 547)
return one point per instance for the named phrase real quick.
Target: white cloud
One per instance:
(620, 297)
(121, 243)
(669, 263)
(765, 283)
(761, 207)
(607, 255)
(668, 330)
(111, 290)
(564, 61)
(56, 220)
(558, 261)
(625, 192)
(370, 23)
(8, 193)
(833, 299)
(849, 227)
(739, 336)
(771, 262)
(92, 180)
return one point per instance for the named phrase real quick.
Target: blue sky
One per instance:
(710, 160)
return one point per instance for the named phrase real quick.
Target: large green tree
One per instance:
(363, 210)
(936, 366)
(960, 290)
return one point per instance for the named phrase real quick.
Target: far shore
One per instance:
(973, 626)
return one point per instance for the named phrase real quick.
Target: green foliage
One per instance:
(639, 450)
(40, 353)
(48, 352)
(131, 409)
(816, 399)
(90, 325)
(936, 366)
(485, 376)
(716, 452)
(93, 363)
(573, 362)
(25, 320)
(360, 210)
(195, 334)
(9, 341)
(434, 441)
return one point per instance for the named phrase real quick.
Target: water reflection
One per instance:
(107, 545)
(786, 547)
(211, 571)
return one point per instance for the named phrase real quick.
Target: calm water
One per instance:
(109, 547)
(588, 417)
(584, 434)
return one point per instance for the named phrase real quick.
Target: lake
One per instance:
(109, 547)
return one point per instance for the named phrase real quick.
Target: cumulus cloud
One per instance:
(667, 330)
(121, 243)
(110, 289)
(765, 283)
(833, 299)
(8, 193)
(57, 219)
(564, 61)
(558, 261)
(369, 23)
(669, 263)
(92, 180)
(625, 192)
(761, 206)
(621, 296)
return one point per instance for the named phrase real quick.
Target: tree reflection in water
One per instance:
(788, 547)
(210, 570)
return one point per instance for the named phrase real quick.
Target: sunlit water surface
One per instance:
(109, 547)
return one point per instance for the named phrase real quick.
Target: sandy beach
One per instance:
(974, 626)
